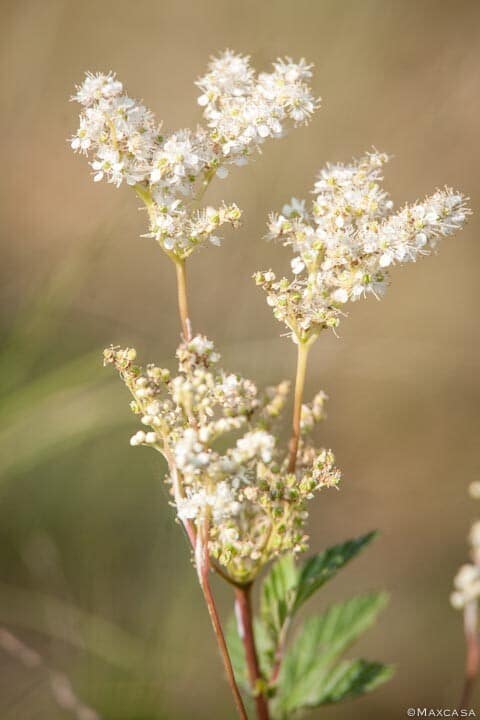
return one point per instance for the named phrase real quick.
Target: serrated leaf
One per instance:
(307, 675)
(354, 677)
(265, 647)
(278, 594)
(287, 587)
(320, 568)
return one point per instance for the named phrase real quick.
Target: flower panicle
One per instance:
(170, 171)
(256, 508)
(346, 243)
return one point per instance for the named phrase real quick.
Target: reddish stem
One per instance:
(203, 568)
(199, 543)
(243, 608)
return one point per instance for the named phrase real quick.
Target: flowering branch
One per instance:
(239, 493)
(170, 174)
(345, 245)
(343, 249)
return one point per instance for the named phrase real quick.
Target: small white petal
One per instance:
(263, 131)
(340, 295)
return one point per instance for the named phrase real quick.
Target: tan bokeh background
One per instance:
(94, 573)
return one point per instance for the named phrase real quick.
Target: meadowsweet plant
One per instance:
(465, 597)
(240, 494)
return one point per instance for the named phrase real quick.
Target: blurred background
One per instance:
(94, 574)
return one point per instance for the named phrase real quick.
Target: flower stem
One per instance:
(473, 653)
(182, 299)
(199, 544)
(243, 610)
(149, 203)
(203, 568)
(302, 357)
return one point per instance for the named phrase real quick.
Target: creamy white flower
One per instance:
(297, 265)
(346, 245)
(258, 443)
(243, 110)
(236, 486)
(138, 438)
(295, 208)
(171, 171)
(96, 87)
(220, 502)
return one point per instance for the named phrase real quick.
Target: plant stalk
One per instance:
(202, 559)
(302, 357)
(199, 544)
(182, 299)
(243, 611)
(203, 568)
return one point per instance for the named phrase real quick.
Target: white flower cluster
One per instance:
(216, 432)
(120, 132)
(170, 171)
(467, 579)
(346, 243)
(243, 110)
(180, 231)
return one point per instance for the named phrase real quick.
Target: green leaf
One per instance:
(278, 594)
(265, 647)
(354, 677)
(237, 653)
(287, 587)
(308, 676)
(320, 568)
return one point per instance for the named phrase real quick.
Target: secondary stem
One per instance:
(203, 568)
(302, 356)
(243, 608)
(200, 547)
(182, 299)
(200, 544)
(149, 203)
